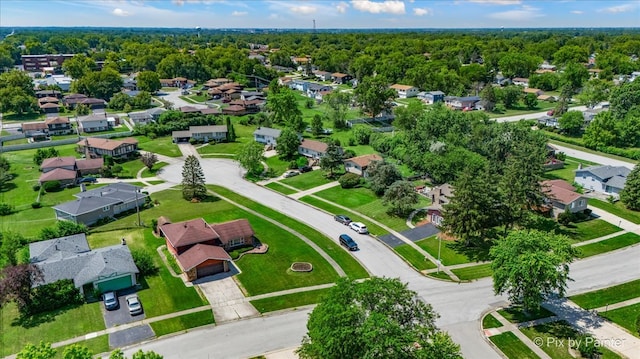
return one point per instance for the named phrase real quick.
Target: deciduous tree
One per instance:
(284, 108)
(382, 174)
(510, 95)
(401, 196)
(41, 351)
(594, 92)
(149, 159)
(251, 156)
(531, 101)
(193, 179)
(78, 66)
(332, 159)
(288, 143)
(76, 351)
(339, 103)
(17, 283)
(571, 122)
(148, 81)
(374, 95)
(530, 266)
(630, 195)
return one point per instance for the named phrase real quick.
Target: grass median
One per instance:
(280, 188)
(512, 347)
(611, 295)
(621, 241)
(286, 301)
(183, 322)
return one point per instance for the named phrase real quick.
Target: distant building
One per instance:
(37, 63)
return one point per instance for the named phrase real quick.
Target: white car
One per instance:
(134, 305)
(359, 227)
(291, 174)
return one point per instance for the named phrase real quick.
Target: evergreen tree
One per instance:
(193, 179)
(630, 195)
(316, 125)
(231, 132)
(402, 196)
(332, 160)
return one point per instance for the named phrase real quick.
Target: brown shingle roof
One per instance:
(364, 160)
(48, 99)
(34, 126)
(188, 232)
(401, 87)
(235, 108)
(56, 120)
(88, 164)
(105, 143)
(317, 146)
(189, 109)
(58, 162)
(200, 253)
(338, 74)
(227, 231)
(560, 191)
(49, 105)
(57, 175)
(210, 111)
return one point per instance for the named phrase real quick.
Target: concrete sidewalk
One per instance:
(619, 305)
(314, 190)
(615, 220)
(511, 327)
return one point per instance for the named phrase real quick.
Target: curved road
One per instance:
(459, 305)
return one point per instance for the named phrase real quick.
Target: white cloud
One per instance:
(387, 6)
(422, 11)
(120, 12)
(577, 12)
(206, 2)
(304, 9)
(273, 16)
(619, 8)
(524, 14)
(342, 7)
(239, 13)
(497, 2)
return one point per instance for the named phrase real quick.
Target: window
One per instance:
(236, 242)
(106, 208)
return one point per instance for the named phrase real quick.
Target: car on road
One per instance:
(359, 227)
(134, 305)
(342, 219)
(348, 242)
(291, 174)
(304, 169)
(110, 301)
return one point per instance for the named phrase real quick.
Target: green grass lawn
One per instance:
(617, 209)
(182, 323)
(595, 228)
(222, 147)
(161, 145)
(625, 317)
(280, 188)
(333, 210)
(518, 315)
(289, 300)
(489, 321)
(621, 241)
(512, 347)
(602, 297)
(277, 166)
(414, 257)
(364, 201)
(96, 345)
(352, 268)
(17, 141)
(568, 172)
(130, 168)
(474, 272)
(9, 117)
(305, 181)
(449, 254)
(50, 327)
(146, 173)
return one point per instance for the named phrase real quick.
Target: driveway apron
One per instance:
(226, 299)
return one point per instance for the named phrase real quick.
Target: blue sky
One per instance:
(327, 13)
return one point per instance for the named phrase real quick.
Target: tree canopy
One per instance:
(630, 194)
(193, 179)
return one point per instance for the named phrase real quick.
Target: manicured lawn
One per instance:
(49, 327)
(14, 117)
(96, 345)
(182, 323)
(591, 229)
(474, 272)
(130, 168)
(331, 209)
(517, 314)
(276, 166)
(305, 181)
(289, 300)
(489, 321)
(154, 170)
(222, 147)
(625, 317)
(448, 255)
(352, 268)
(602, 297)
(621, 241)
(17, 141)
(617, 209)
(568, 172)
(512, 347)
(414, 257)
(160, 145)
(280, 188)
(439, 275)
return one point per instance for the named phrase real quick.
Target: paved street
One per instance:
(592, 157)
(533, 116)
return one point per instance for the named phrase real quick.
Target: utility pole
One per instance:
(138, 209)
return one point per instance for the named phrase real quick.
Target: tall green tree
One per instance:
(231, 131)
(630, 194)
(100, 84)
(339, 103)
(594, 92)
(531, 101)
(571, 122)
(148, 81)
(530, 266)
(316, 125)
(624, 98)
(78, 66)
(288, 144)
(332, 159)
(41, 351)
(515, 64)
(378, 318)
(374, 95)
(489, 97)
(574, 75)
(511, 95)
(251, 156)
(193, 179)
(76, 351)
(284, 108)
(17, 283)
(401, 196)
(602, 131)
(406, 117)
(382, 174)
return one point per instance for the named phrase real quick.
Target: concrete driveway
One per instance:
(121, 315)
(225, 297)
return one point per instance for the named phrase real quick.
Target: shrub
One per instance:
(293, 164)
(154, 224)
(6, 209)
(193, 141)
(104, 220)
(351, 141)
(53, 296)
(302, 161)
(36, 187)
(36, 205)
(144, 262)
(349, 180)
(52, 186)
(565, 218)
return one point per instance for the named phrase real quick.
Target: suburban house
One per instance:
(95, 123)
(200, 248)
(358, 165)
(217, 82)
(405, 91)
(103, 269)
(462, 103)
(38, 131)
(266, 135)
(68, 169)
(603, 179)
(340, 78)
(59, 125)
(313, 149)
(562, 196)
(130, 84)
(313, 89)
(440, 195)
(548, 121)
(520, 81)
(431, 97)
(322, 75)
(104, 202)
(98, 147)
(177, 82)
(534, 91)
(591, 113)
(214, 133)
(49, 104)
(140, 118)
(48, 93)
(76, 99)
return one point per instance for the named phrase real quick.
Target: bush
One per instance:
(565, 218)
(36, 187)
(53, 296)
(193, 141)
(52, 186)
(302, 161)
(6, 209)
(349, 180)
(144, 262)
(36, 205)
(293, 164)
(351, 141)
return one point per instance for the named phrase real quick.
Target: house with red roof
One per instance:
(562, 196)
(359, 165)
(313, 149)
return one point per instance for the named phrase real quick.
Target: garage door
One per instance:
(115, 284)
(211, 269)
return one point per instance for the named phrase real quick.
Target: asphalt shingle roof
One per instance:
(58, 248)
(266, 131)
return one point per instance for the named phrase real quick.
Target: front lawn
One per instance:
(182, 323)
(229, 148)
(333, 210)
(518, 315)
(473, 272)
(617, 209)
(50, 327)
(146, 173)
(449, 253)
(280, 188)
(625, 317)
(592, 229)
(305, 181)
(512, 347)
(489, 321)
(161, 145)
(96, 345)
(414, 257)
(611, 295)
(276, 166)
(290, 300)
(621, 241)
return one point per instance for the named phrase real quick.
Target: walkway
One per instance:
(313, 190)
(507, 326)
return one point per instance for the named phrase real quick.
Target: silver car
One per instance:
(134, 305)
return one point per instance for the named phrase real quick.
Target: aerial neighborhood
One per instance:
(154, 184)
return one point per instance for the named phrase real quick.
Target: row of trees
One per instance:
(75, 351)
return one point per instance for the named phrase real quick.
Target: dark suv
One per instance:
(348, 242)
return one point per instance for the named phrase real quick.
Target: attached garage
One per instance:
(203, 260)
(210, 267)
(113, 284)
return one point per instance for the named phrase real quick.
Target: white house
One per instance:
(215, 133)
(94, 123)
(405, 91)
(359, 165)
(266, 135)
(603, 179)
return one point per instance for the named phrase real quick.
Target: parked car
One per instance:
(110, 301)
(304, 169)
(550, 112)
(291, 174)
(348, 242)
(134, 305)
(359, 227)
(342, 219)
(87, 180)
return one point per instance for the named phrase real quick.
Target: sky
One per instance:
(327, 14)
